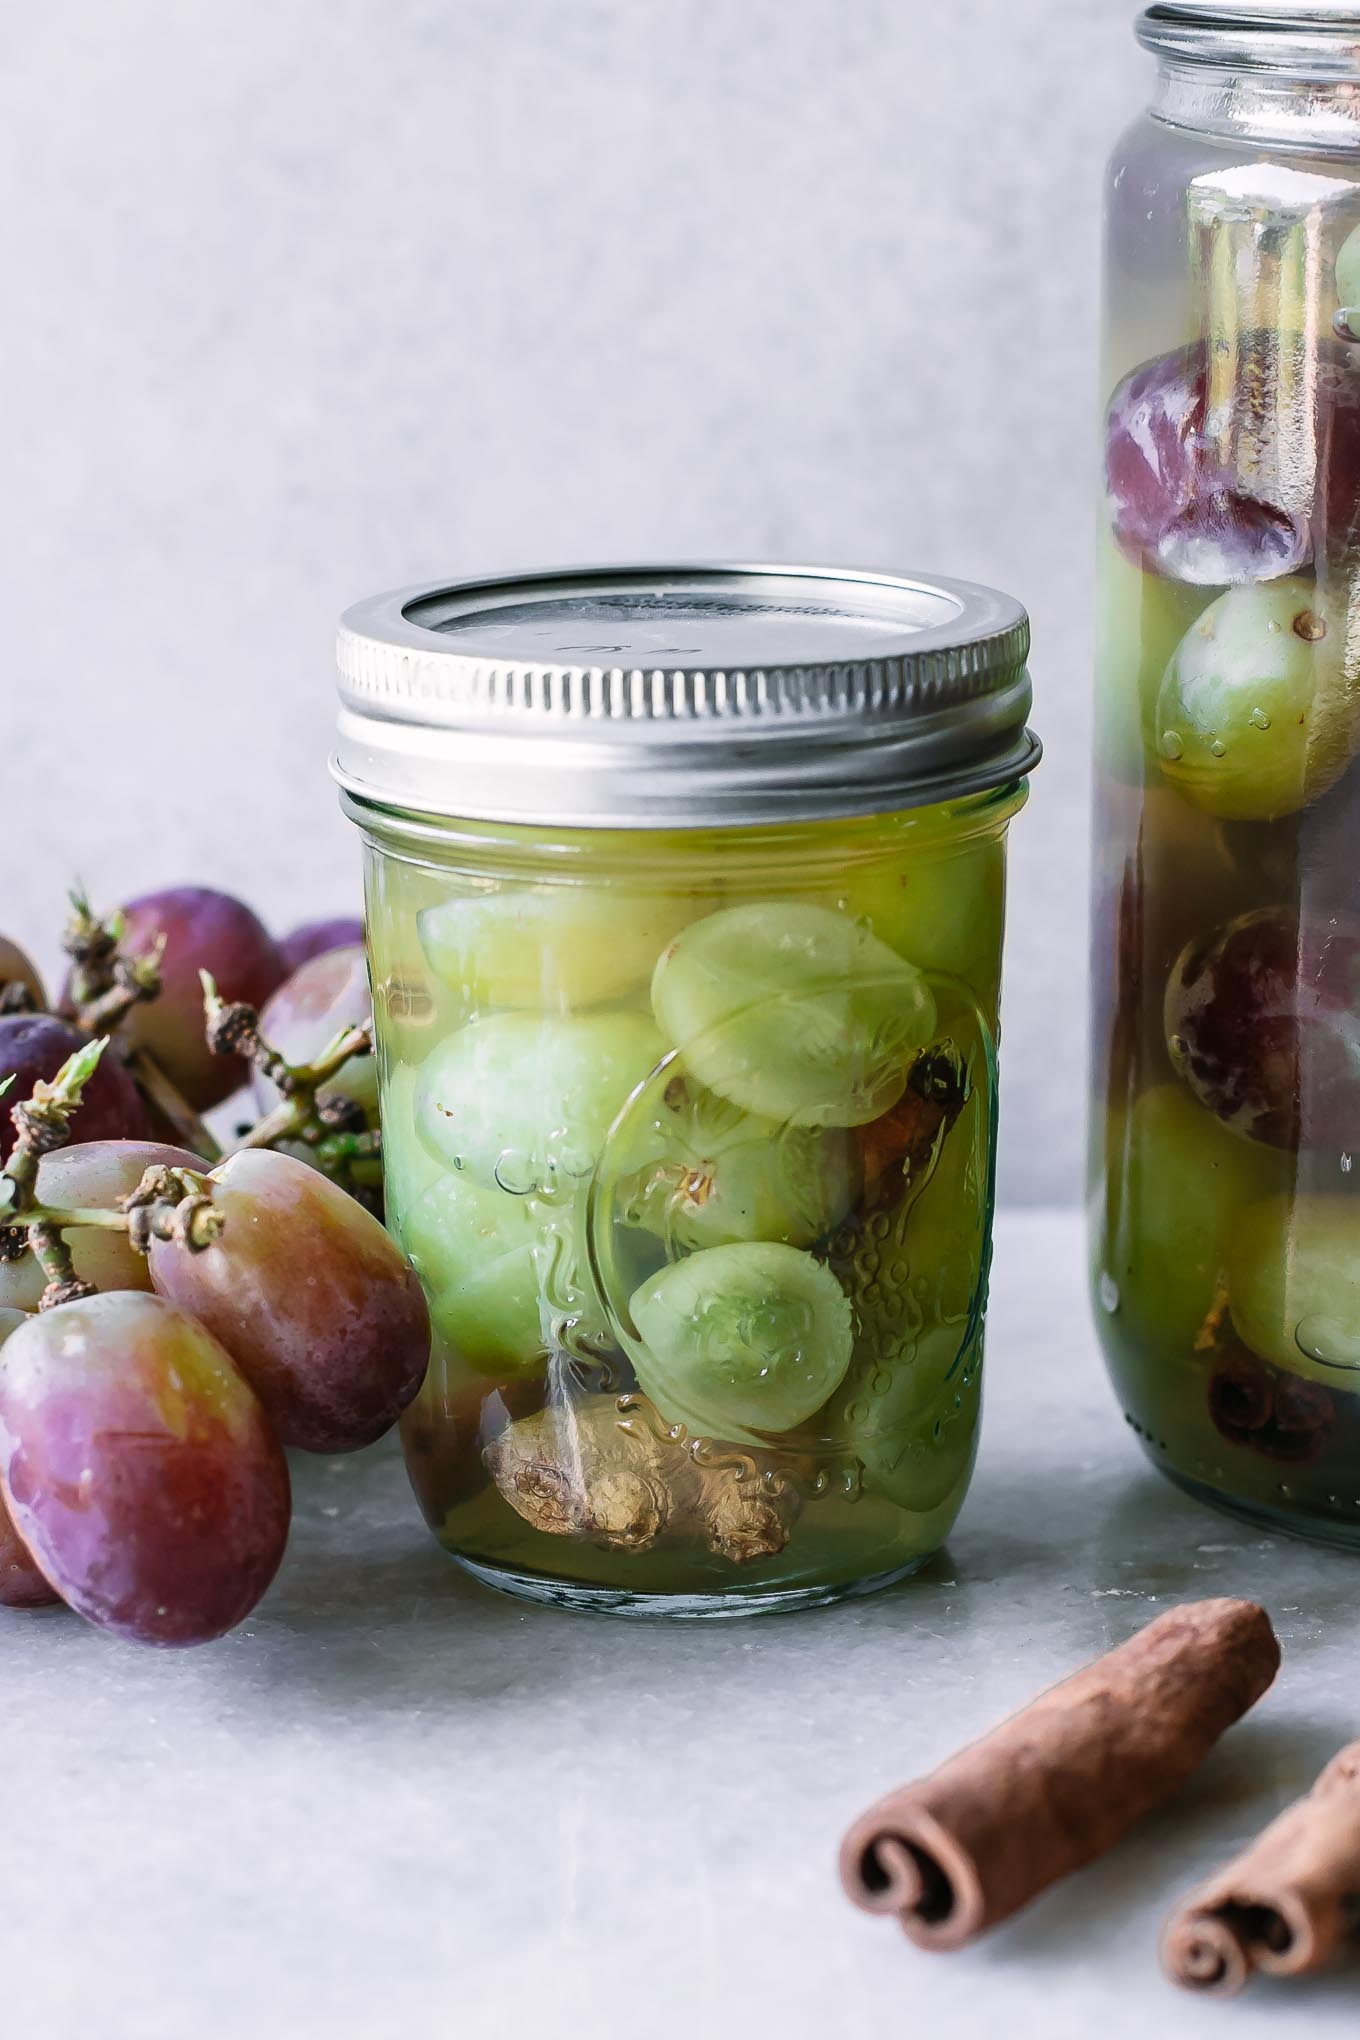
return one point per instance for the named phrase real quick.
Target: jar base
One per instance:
(1311, 1530)
(723, 1606)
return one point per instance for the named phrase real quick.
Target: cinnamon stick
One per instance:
(1289, 1903)
(1062, 1781)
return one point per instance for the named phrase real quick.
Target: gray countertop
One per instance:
(396, 1803)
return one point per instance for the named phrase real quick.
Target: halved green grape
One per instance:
(1294, 1286)
(1179, 1184)
(744, 1339)
(699, 1172)
(793, 1011)
(474, 1249)
(551, 947)
(941, 910)
(1257, 713)
(524, 1102)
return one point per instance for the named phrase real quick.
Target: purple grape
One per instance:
(204, 930)
(16, 968)
(315, 938)
(326, 996)
(139, 1469)
(310, 1296)
(34, 1045)
(1262, 1023)
(22, 1585)
(95, 1174)
(1179, 504)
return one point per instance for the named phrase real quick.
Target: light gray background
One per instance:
(306, 298)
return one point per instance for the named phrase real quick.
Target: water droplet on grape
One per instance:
(1346, 1165)
(1172, 747)
(1109, 1292)
(1260, 719)
(1218, 748)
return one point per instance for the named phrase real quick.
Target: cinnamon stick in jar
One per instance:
(1289, 1903)
(1059, 1783)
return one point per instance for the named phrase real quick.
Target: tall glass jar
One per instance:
(1226, 1121)
(684, 912)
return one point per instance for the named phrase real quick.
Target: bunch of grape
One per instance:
(170, 1326)
(1229, 992)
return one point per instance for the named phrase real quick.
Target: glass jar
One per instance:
(684, 911)
(1226, 1203)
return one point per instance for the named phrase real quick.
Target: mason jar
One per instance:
(1226, 1121)
(684, 910)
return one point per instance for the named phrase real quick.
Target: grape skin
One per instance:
(34, 1046)
(1255, 716)
(741, 1339)
(139, 1469)
(1181, 1186)
(315, 938)
(1177, 510)
(204, 930)
(323, 998)
(17, 969)
(793, 1011)
(524, 1101)
(1261, 1024)
(22, 1585)
(1294, 1286)
(546, 948)
(474, 1249)
(311, 1298)
(96, 1175)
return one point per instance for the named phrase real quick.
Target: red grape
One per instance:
(1262, 1023)
(203, 930)
(1179, 504)
(35, 1045)
(314, 938)
(99, 1174)
(21, 1583)
(15, 968)
(320, 1000)
(310, 1297)
(139, 1468)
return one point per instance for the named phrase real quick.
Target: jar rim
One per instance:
(1306, 37)
(691, 695)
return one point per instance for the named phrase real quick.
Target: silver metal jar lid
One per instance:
(682, 696)
(1258, 13)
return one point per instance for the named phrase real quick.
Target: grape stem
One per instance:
(331, 1124)
(42, 1123)
(168, 1204)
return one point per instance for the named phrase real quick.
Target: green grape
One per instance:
(1257, 715)
(549, 948)
(741, 1339)
(523, 1102)
(1294, 1286)
(941, 910)
(793, 1011)
(699, 1172)
(474, 1250)
(1141, 619)
(919, 1457)
(408, 1166)
(1180, 1184)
